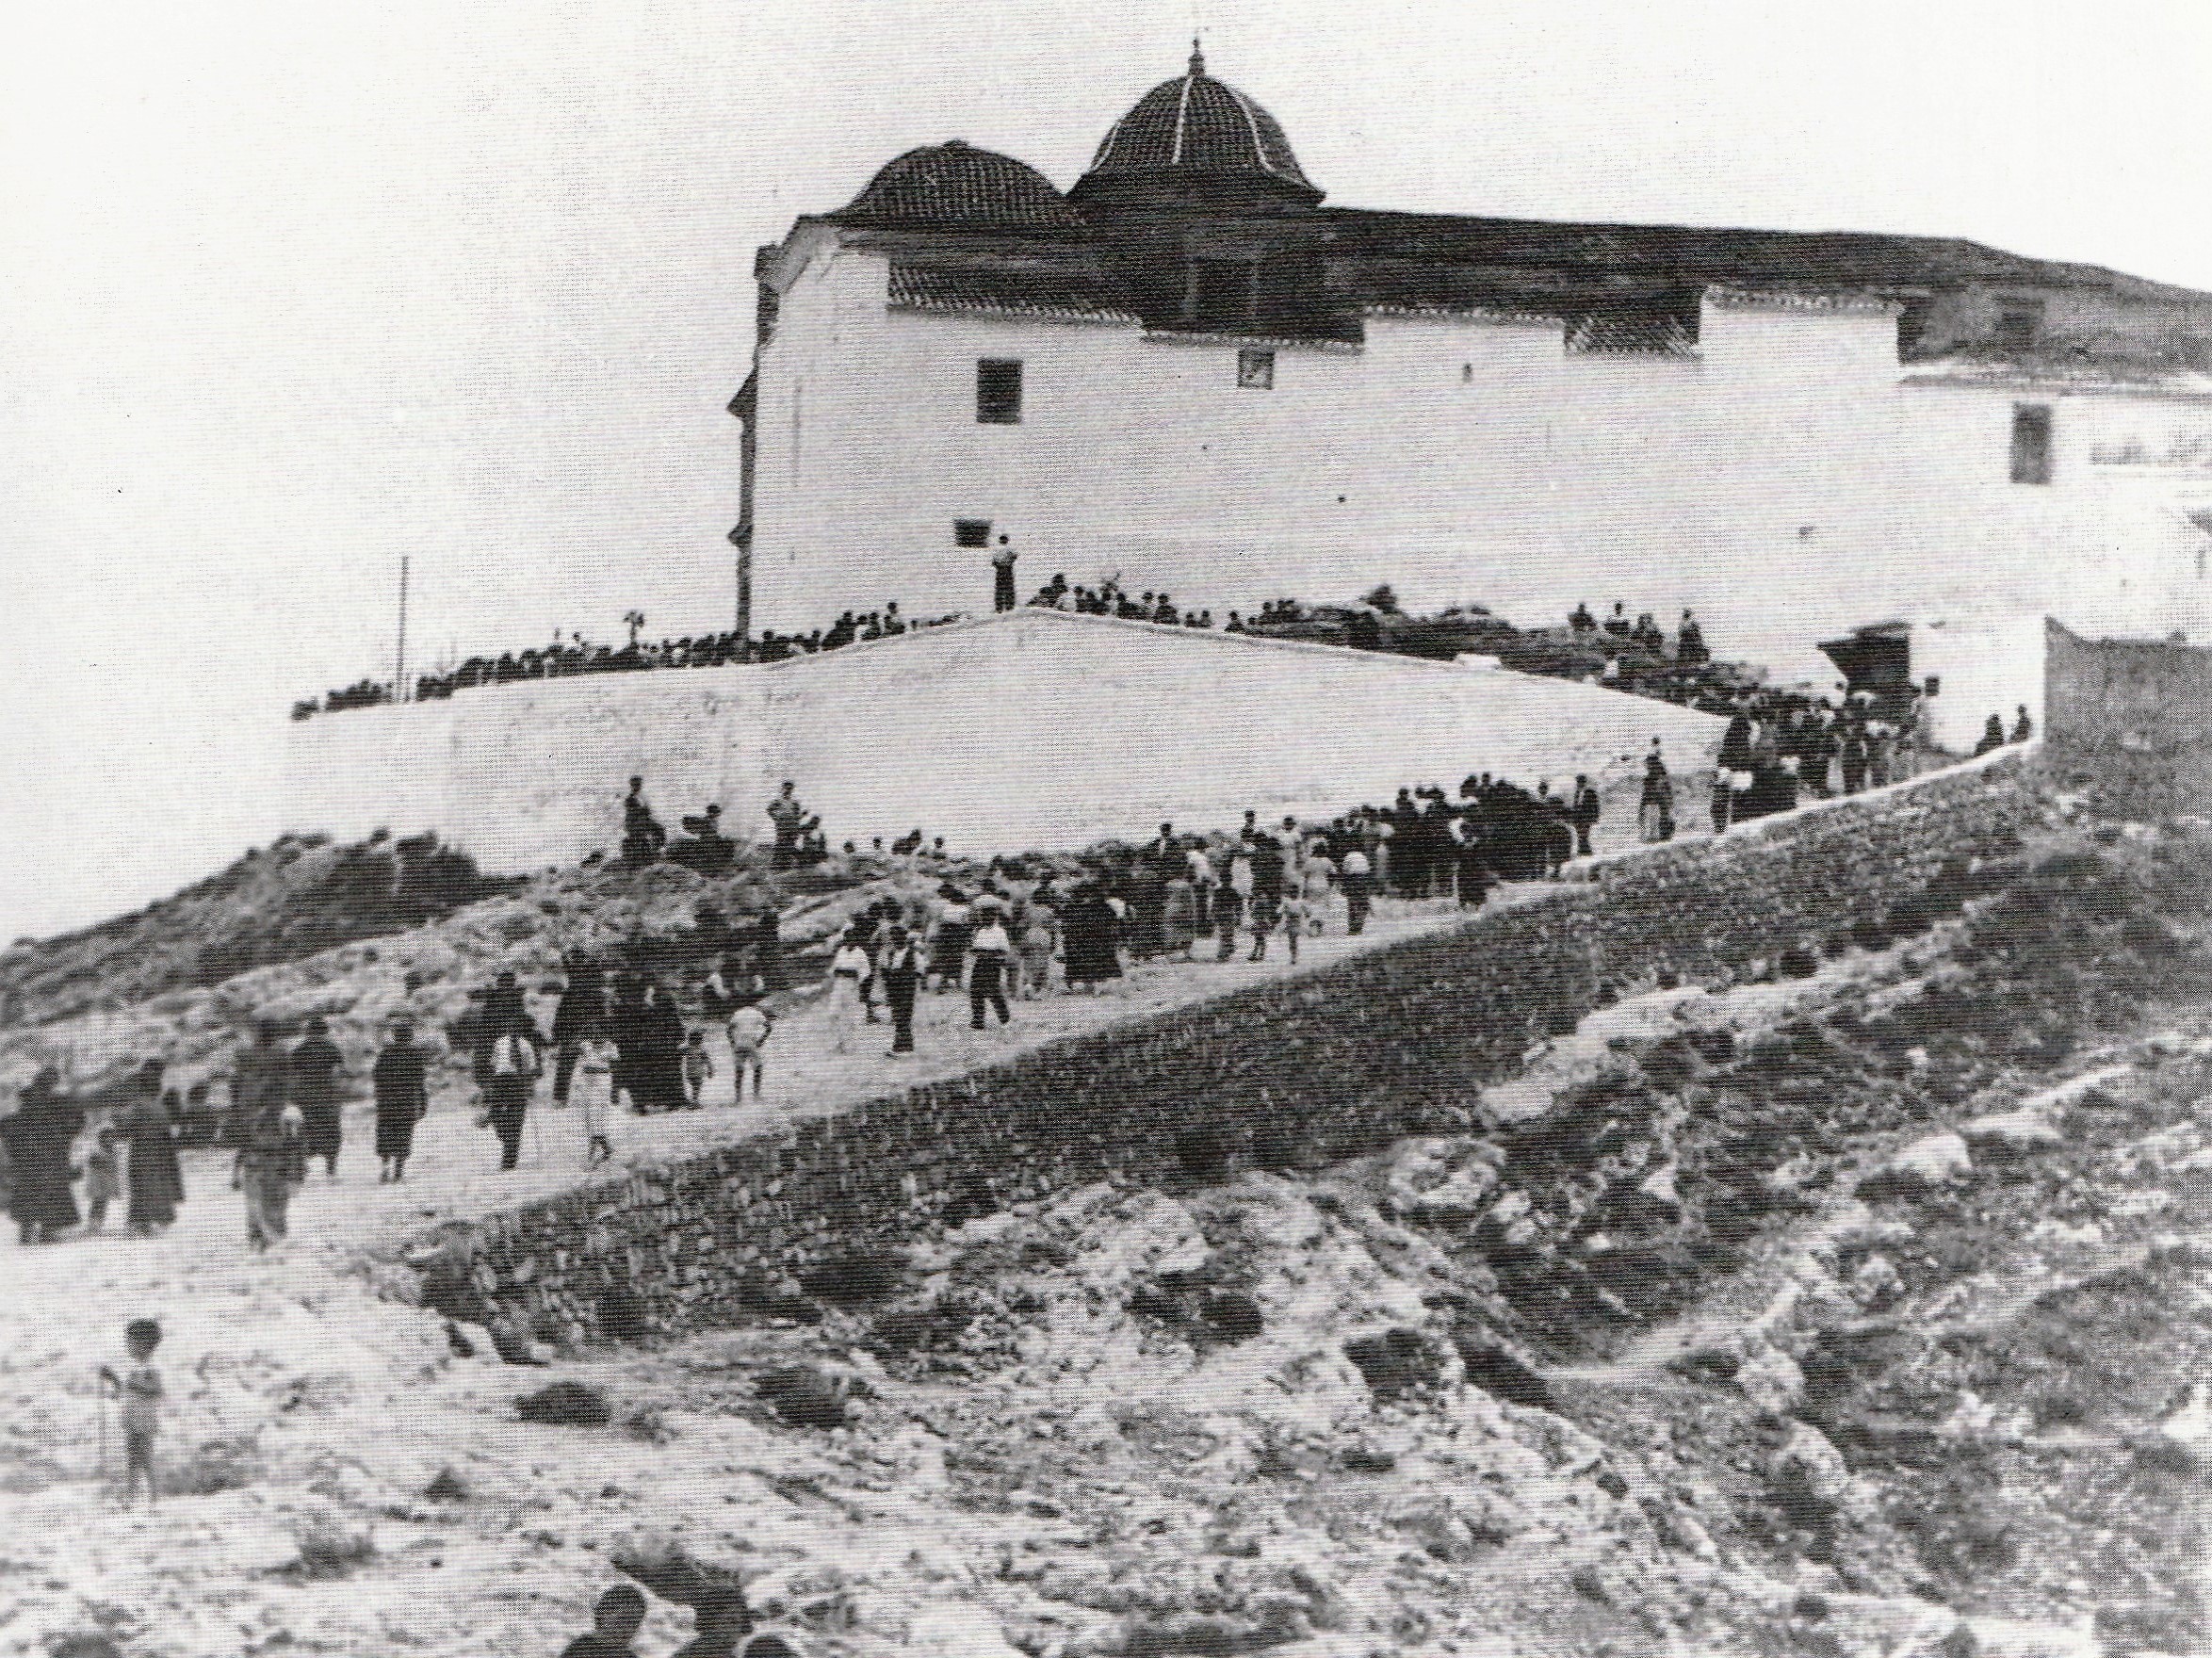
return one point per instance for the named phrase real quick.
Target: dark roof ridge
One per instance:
(2022, 266)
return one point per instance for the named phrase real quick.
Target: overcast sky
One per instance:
(288, 290)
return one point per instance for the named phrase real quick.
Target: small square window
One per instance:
(997, 391)
(2031, 442)
(972, 532)
(1256, 369)
(2020, 324)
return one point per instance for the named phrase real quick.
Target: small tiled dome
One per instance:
(1197, 128)
(956, 184)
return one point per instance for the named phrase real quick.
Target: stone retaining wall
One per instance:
(1332, 1062)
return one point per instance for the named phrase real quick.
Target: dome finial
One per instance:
(1198, 58)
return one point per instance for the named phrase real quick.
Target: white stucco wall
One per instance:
(1789, 482)
(1987, 665)
(1033, 730)
(531, 775)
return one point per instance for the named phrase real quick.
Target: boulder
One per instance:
(802, 1396)
(955, 1629)
(1930, 1162)
(1771, 1380)
(1443, 1179)
(2012, 1133)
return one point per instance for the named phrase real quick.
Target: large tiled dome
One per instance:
(1196, 130)
(956, 184)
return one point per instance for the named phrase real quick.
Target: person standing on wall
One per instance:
(1002, 575)
(788, 819)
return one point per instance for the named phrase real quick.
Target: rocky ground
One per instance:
(1858, 1310)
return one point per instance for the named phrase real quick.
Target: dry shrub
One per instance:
(567, 1405)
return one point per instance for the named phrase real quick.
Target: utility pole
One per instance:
(400, 670)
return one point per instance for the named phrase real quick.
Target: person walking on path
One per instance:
(403, 1097)
(846, 969)
(1090, 958)
(993, 953)
(1178, 910)
(1266, 897)
(1656, 804)
(1583, 812)
(582, 1009)
(955, 927)
(1235, 898)
(512, 1076)
(314, 1088)
(103, 1176)
(593, 1091)
(38, 1136)
(1359, 877)
(269, 1164)
(257, 1082)
(899, 969)
(151, 1174)
(748, 1025)
(139, 1388)
(1039, 942)
(698, 1068)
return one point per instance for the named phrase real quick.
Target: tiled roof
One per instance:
(1051, 295)
(957, 184)
(1467, 312)
(1630, 336)
(1696, 256)
(1197, 124)
(1844, 304)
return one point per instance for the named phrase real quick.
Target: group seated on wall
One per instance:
(1623, 655)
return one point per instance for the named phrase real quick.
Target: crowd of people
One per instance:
(51, 1143)
(567, 657)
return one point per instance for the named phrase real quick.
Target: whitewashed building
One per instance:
(1189, 372)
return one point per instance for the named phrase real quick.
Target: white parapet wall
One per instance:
(1033, 730)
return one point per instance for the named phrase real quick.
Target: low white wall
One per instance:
(1033, 730)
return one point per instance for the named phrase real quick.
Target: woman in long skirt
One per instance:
(1092, 951)
(156, 1184)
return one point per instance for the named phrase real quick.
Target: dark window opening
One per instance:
(997, 391)
(2031, 442)
(2020, 324)
(972, 532)
(1223, 292)
(1256, 369)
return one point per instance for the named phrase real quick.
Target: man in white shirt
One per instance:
(848, 967)
(990, 953)
(749, 1026)
(1358, 891)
